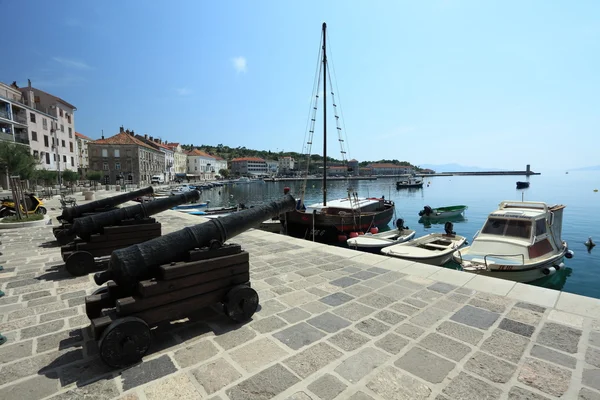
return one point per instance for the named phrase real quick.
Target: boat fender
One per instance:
(400, 224)
(549, 271)
(559, 266)
(569, 254)
(342, 238)
(374, 230)
(353, 234)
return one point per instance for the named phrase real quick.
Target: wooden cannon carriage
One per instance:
(170, 277)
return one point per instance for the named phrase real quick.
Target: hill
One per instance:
(455, 168)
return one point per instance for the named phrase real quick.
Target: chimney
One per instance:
(131, 133)
(145, 136)
(157, 141)
(121, 129)
(151, 139)
(29, 83)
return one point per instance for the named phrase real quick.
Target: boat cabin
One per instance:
(335, 207)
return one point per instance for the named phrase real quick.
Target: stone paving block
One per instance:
(592, 356)
(378, 270)
(429, 317)
(404, 308)
(360, 396)
(559, 337)
(516, 327)
(70, 295)
(294, 315)
(336, 299)
(348, 340)
(446, 305)
(76, 301)
(84, 372)
(59, 341)
(391, 343)
(416, 302)
(31, 389)
(410, 330)
(147, 371)
(297, 298)
(215, 375)
(486, 305)
(353, 270)
(532, 307)
(390, 317)
(274, 281)
(505, 345)
(441, 287)
(518, 393)
(41, 329)
(460, 332)
(466, 387)
(233, 338)
(427, 295)
(411, 284)
(356, 367)
(358, 290)
(255, 355)
(328, 322)
(525, 316)
(195, 353)
(587, 394)
(10, 352)
(554, 356)
(317, 292)
(269, 324)
(490, 367)
(376, 300)
(364, 275)
(327, 387)
(298, 396)
(281, 290)
(458, 298)
(309, 361)
(591, 378)
(306, 272)
(101, 390)
(315, 307)
(545, 377)
(353, 311)
(264, 385)
(69, 312)
(35, 295)
(194, 331)
(299, 335)
(175, 387)
(375, 284)
(270, 307)
(372, 327)
(594, 339)
(425, 365)
(21, 313)
(449, 348)
(396, 292)
(390, 383)
(344, 282)
(475, 317)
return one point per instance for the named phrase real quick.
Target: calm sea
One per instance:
(481, 194)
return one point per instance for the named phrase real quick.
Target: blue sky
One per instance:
(488, 83)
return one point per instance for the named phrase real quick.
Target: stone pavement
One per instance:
(333, 324)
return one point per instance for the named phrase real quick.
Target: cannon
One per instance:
(100, 234)
(169, 277)
(69, 214)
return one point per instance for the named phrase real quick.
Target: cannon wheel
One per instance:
(80, 263)
(124, 342)
(241, 303)
(101, 290)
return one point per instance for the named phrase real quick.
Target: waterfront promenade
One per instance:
(333, 323)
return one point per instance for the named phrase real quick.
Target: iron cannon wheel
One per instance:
(101, 290)
(241, 303)
(80, 263)
(124, 342)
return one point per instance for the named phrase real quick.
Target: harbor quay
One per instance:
(332, 323)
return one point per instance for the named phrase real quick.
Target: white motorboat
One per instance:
(433, 249)
(377, 241)
(520, 241)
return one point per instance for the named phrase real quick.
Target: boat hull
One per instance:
(375, 245)
(408, 186)
(419, 250)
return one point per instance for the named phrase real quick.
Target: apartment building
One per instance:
(169, 173)
(201, 165)
(83, 158)
(249, 166)
(286, 164)
(124, 158)
(386, 169)
(179, 159)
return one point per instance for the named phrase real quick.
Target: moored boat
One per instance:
(520, 241)
(374, 242)
(442, 212)
(409, 182)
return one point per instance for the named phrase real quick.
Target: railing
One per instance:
(4, 114)
(20, 119)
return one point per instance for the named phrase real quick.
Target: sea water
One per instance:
(482, 195)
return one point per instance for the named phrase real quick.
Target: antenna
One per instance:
(522, 196)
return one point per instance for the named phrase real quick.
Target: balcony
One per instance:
(20, 118)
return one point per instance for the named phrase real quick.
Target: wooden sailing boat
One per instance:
(331, 221)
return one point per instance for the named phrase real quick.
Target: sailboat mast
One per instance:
(324, 114)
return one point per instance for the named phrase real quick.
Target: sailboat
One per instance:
(332, 221)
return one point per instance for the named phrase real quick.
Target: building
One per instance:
(220, 164)
(83, 159)
(389, 169)
(427, 171)
(156, 143)
(179, 159)
(286, 164)
(337, 170)
(353, 167)
(58, 116)
(249, 166)
(123, 158)
(272, 167)
(201, 165)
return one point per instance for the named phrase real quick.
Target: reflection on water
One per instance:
(556, 281)
(427, 222)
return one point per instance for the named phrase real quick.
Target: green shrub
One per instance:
(14, 218)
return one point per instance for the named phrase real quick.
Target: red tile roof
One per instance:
(80, 135)
(123, 138)
(248, 159)
(198, 153)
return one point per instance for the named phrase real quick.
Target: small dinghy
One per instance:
(433, 249)
(442, 212)
(189, 206)
(377, 241)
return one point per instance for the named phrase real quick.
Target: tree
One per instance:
(16, 159)
(224, 173)
(47, 177)
(94, 176)
(70, 176)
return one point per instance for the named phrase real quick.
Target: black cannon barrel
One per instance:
(69, 214)
(131, 264)
(86, 226)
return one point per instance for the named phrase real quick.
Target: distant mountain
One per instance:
(592, 168)
(456, 168)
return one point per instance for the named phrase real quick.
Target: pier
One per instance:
(333, 323)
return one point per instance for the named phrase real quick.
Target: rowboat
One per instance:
(377, 241)
(442, 212)
(189, 206)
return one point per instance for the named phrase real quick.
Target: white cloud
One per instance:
(183, 91)
(65, 62)
(240, 64)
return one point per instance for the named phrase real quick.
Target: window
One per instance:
(34, 135)
(46, 141)
(540, 227)
(72, 162)
(104, 153)
(54, 157)
(47, 158)
(105, 166)
(507, 227)
(45, 124)
(62, 128)
(65, 159)
(69, 118)
(71, 146)
(53, 142)
(117, 153)
(36, 154)
(63, 144)
(117, 166)
(60, 112)
(32, 117)
(70, 133)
